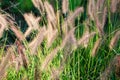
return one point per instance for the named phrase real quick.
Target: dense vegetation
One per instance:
(60, 39)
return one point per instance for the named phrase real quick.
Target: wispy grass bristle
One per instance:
(65, 6)
(114, 5)
(53, 53)
(49, 58)
(91, 9)
(96, 47)
(69, 22)
(37, 40)
(50, 13)
(39, 4)
(17, 32)
(75, 14)
(33, 23)
(85, 37)
(114, 40)
(3, 24)
(5, 62)
(51, 34)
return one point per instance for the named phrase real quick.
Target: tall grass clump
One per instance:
(66, 39)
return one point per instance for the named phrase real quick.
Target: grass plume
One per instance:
(33, 23)
(5, 62)
(114, 40)
(38, 40)
(114, 5)
(50, 14)
(65, 6)
(96, 47)
(39, 5)
(3, 24)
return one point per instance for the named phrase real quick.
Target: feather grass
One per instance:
(114, 40)
(50, 14)
(37, 40)
(4, 63)
(39, 5)
(3, 24)
(33, 23)
(65, 6)
(96, 47)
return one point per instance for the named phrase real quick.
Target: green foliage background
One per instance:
(23, 5)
